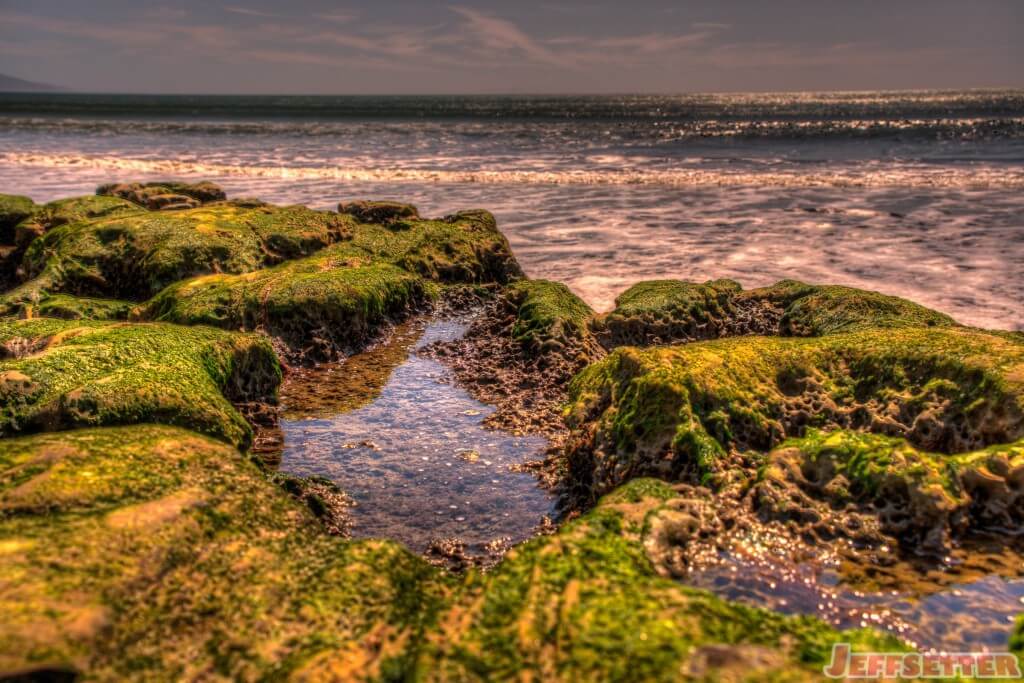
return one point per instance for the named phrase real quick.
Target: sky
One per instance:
(486, 46)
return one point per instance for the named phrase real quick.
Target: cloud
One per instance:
(337, 17)
(503, 34)
(248, 11)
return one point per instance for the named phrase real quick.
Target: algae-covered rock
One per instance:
(673, 311)
(666, 311)
(333, 302)
(13, 210)
(322, 306)
(678, 412)
(919, 498)
(381, 212)
(60, 374)
(165, 194)
(816, 310)
(136, 254)
(153, 553)
(81, 308)
(1016, 644)
(587, 604)
(72, 210)
(549, 316)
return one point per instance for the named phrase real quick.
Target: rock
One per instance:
(151, 552)
(136, 253)
(680, 412)
(333, 303)
(88, 373)
(13, 210)
(671, 311)
(165, 195)
(591, 590)
(520, 354)
(921, 500)
(380, 212)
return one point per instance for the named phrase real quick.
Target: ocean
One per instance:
(917, 194)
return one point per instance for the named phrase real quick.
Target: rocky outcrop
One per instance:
(921, 500)
(333, 303)
(165, 195)
(684, 412)
(59, 374)
(521, 352)
(662, 312)
(130, 253)
(379, 212)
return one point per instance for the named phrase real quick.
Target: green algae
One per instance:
(916, 495)
(671, 311)
(547, 311)
(82, 308)
(817, 310)
(136, 253)
(150, 552)
(13, 210)
(62, 374)
(153, 552)
(586, 604)
(333, 302)
(678, 411)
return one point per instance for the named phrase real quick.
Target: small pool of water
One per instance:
(969, 602)
(409, 448)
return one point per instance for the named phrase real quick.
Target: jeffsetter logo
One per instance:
(847, 664)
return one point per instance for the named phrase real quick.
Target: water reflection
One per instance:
(409, 447)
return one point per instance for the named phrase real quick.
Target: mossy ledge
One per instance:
(134, 253)
(679, 412)
(332, 303)
(672, 311)
(60, 374)
(919, 498)
(153, 553)
(150, 552)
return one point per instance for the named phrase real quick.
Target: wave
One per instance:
(871, 174)
(963, 129)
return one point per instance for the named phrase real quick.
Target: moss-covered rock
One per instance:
(153, 553)
(816, 310)
(59, 374)
(549, 316)
(137, 253)
(13, 210)
(586, 604)
(165, 194)
(333, 302)
(672, 311)
(380, 212)
(666, 311)
(72, 210)
(81, 308)
(920, 498)
(677, 412)
(325, 305)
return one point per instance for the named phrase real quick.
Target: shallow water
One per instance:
(409, 447)
(966, 602)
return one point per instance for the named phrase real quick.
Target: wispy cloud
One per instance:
(503, 34)
(248, 11)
